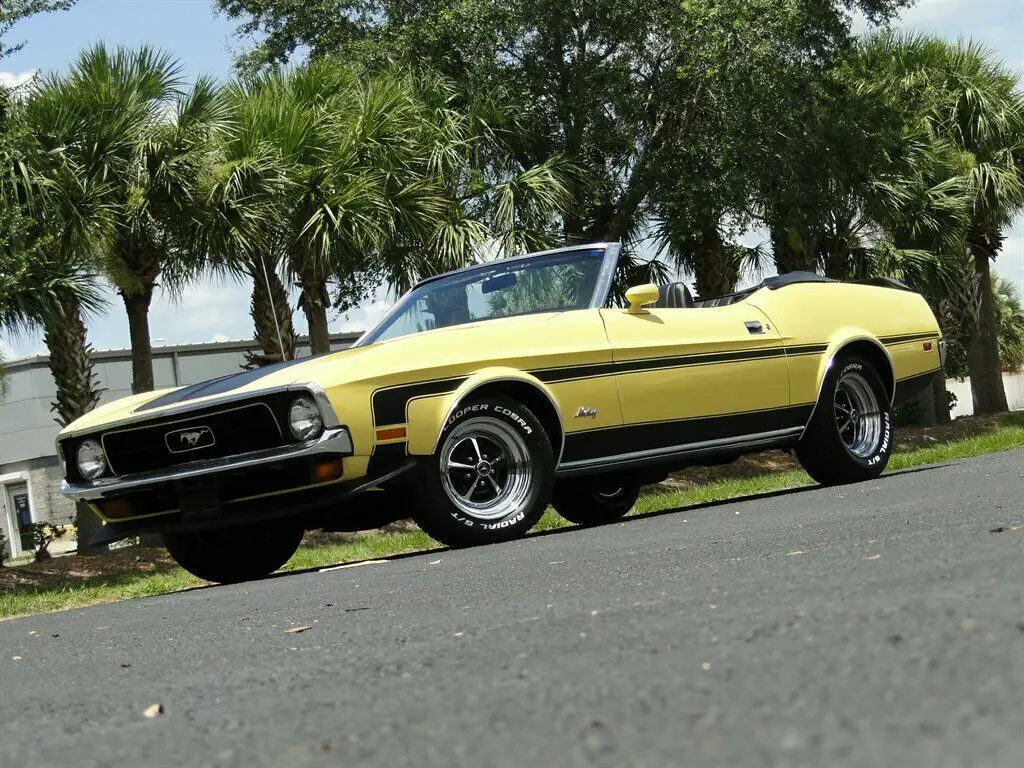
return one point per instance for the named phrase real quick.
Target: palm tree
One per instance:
(970, 101)
(243, 200)
(53, 226)
(51, 279)
(381, 179)
(1009, 323)
(150, 141)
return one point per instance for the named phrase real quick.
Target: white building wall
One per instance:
(1013, 383)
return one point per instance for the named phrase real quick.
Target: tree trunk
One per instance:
(271, 315)
(983, 353)
(137, 306)
(77, 394)
(70, 363)
(941, 399)
(926, 407)
(314, 304)
(791, 254)
(715, 268)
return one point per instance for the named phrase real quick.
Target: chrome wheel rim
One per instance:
(858, 415)
(486, 469)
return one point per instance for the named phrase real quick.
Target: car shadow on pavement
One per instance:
(556, 531)
(742, 499)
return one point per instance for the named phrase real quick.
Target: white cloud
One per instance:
(214, 308)
(15, 79)
(219, 337)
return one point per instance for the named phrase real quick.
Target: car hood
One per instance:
(431, 350)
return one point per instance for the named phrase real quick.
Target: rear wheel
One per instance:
(850, 435)
(238, 553)
(594, 501)
(490, 479)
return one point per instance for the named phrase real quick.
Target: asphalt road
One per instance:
(877, 624)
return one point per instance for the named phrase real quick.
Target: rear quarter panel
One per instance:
(829, 316)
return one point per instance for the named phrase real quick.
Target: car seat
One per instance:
(674, 296)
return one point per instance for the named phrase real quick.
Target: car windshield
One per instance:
(546, 283)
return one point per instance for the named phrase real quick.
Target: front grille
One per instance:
(213, 435)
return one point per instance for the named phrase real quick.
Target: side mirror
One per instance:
(639, 296)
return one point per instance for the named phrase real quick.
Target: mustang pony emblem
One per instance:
(586, 413)
(189, 439)
(192, 438)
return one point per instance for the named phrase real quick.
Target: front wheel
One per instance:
(238, 553)
(490, 479)
(590, 501)
(849, 438)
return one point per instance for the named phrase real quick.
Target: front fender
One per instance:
(428, 416)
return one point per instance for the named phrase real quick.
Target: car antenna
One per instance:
(277, 325)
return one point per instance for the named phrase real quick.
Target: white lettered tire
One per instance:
(850, 436)
(491, 477)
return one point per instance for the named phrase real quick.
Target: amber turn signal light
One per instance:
(395, 433)
(326, 470)
(117, 509)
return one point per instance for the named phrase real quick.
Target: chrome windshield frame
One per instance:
(603, 286)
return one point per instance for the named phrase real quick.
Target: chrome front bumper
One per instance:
(335, 441)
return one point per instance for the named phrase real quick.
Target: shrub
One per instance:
(43, 535)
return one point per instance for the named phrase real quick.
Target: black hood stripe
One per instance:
(220, 386)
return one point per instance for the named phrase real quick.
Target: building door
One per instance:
(20, 516)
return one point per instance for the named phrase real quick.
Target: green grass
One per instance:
(102, 589)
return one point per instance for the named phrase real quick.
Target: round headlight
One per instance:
(91, 461)
(304, 419)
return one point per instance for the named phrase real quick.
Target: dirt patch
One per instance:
(74, 569)
(326, 539)
(752, 465)
(908, 438)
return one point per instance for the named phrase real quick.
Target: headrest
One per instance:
(674, 296)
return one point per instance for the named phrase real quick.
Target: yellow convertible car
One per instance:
(486, 394)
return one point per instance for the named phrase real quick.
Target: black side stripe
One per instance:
(569, 373)
(630, 366)
(806, 349)
(385, 457)
(902, 339)
(612, 441)
(389, 404)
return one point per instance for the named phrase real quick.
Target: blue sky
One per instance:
(203, 41)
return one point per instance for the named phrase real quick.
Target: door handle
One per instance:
(754, 326)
